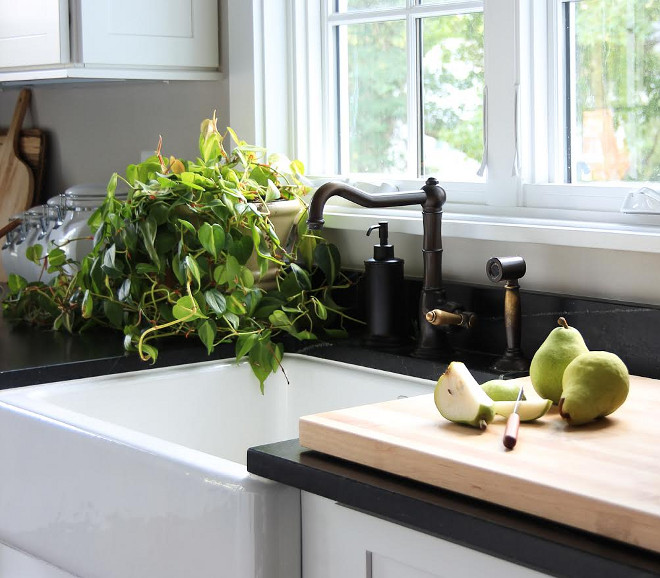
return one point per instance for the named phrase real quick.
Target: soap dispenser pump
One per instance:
(385, 301)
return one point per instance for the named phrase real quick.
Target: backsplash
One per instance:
(632, 331)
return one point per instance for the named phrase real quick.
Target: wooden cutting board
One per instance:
(603, 477)
(32, 149)
(16, 179)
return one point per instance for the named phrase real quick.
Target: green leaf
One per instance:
(147, 230)
(304, 335)
(247, 278)
(235, 304)
(232, 319)
(260, 361)
(56, 257)
(272, 192)
(87, 305)
(216, 301)
(125, 290)
(34, 253)
(188, 225)
(112, 185)
(319, 309)
(145, 268)
(326, 256)
(16, 283)
(207, 330)
(302, 278)
(114, 312)
(186, 309)
(178, 270)
(212, 238)
(280, 320)
(192, 266)
(150, 351)
(232, 272)
(336, 333)
(159, 212)
(245, 343)
(242, 249)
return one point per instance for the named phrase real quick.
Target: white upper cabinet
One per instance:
(109, 39)
(33, 32)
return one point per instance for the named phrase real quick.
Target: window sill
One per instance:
(484, 223)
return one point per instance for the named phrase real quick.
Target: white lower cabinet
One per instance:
(339, 541)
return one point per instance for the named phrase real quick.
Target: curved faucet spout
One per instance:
(359, 197)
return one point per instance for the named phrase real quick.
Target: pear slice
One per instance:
(527, 410)
(460, 399)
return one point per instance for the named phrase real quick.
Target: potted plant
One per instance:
(196, 249)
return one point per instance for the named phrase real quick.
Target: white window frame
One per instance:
(523, 207)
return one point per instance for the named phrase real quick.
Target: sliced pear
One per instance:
(460, 399)
(527, 410)
(502, 389)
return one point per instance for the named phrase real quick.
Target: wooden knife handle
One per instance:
(511, 431)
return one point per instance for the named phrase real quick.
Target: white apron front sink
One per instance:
(142, 474)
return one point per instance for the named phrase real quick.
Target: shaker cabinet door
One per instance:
(339, 541)
(144, 33)
(33, 32)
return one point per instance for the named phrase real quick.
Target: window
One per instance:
(612, 96)
(409, 83)
(571, 91)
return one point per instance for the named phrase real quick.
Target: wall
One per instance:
(95, 129)
(613, 275)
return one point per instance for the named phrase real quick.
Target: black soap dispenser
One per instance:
(384, 297)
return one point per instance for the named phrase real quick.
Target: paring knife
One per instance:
(512, 425)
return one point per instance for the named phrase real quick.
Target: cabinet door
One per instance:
(33, 32)
(158, 33)
(338, 541)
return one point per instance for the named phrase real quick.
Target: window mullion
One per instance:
(415, 133)
(502, 76)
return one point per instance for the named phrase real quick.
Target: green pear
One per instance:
(527, 410)
(594, 385)
(501, 389)
(460, 399)
(546, 371)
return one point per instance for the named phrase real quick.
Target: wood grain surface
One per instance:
(16, 179)
(603, 477)
(32, 149)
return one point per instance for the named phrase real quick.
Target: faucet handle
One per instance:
(440, 317)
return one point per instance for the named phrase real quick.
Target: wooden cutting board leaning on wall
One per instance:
(16, 178)
(32, 149)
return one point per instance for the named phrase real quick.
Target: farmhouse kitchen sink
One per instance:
(142, 474)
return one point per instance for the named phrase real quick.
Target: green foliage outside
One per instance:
(618, 69)
(452, 79)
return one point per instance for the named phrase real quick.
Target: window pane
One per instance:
(453, 81)
(617, 91)
(350, 5)
(372, 81)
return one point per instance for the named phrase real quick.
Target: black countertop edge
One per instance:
(520, 538)
(105, 358)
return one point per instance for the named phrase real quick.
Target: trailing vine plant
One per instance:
(176, 257)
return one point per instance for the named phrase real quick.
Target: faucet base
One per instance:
(432, 342)
(511, 361)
